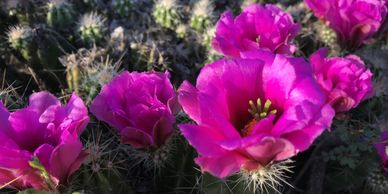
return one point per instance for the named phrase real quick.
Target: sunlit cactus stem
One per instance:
(202, 15)
(199, 23)
(328, 37)
(16, 8)
(181, 31)
(21, 38)
(91, 28)
(73, 78)
(60, 14)
(122, 7)
(207, 37)
(166, 14)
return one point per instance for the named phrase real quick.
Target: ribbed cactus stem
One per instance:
(60, 16)
(166, 14)
(202, 14)
(91, 28)
(122, 7)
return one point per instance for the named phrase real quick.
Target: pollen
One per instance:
(258, 111)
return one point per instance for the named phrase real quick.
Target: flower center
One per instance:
(258, 112)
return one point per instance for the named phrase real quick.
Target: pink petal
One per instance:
(40, 101)
(43, 153)
(136, 137)
(64, 155)
(221, 166)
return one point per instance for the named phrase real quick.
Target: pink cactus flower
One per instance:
(45, 130)
(258, 26)
(141, 106)
(253, 111)
(354, 21)
(382, 149)
(346, 81)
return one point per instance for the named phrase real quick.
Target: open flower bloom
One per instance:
(382, 149)
(141, 106)
(253, 111)
(45, 130)
(345, 80)
(354, 21)
(258, 26)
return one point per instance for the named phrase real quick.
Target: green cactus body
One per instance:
(122, 7)
(166, 14)
(21, 38)
(377, 181)
(91, 28)
(202, 15)
(73, 78)
(91, 34)
(19, 13)
(91, 3)
(181, 31)
(327, 36)
(60, 16)
(200, 23)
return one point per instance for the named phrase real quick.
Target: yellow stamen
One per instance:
(259, 112)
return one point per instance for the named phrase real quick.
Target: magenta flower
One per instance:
(353, 20)
(141, 106)
(46, 130)
(250, 112)
(382, 149)
(258, 26)
(346, 81)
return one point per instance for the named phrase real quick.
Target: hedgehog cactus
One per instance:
(91, 28)
(153, 159)
(122, 7)
(166, 14)
(16, 8)
(60, 14)
(88, 70)
(91, 3)
(118, 41)
(97, 75)
(327, 36)
(207, 37)
(72, 73)
(201, 17)
(377, 181)
(105, 169)
(21, 38)
(181, 31)
(257, 103)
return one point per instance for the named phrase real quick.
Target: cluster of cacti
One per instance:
(199, 96)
